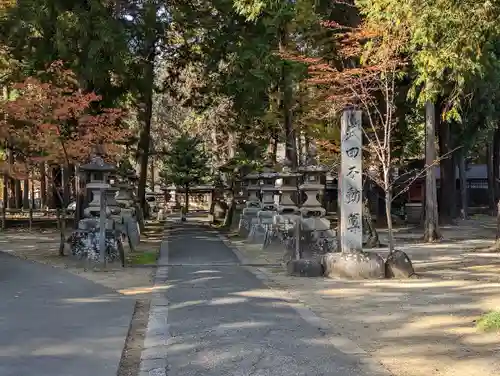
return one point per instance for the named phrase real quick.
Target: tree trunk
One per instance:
(148, 56)
(228, 220)
(5, 198)
(390, 232)
(447, 170)
(65, 181)
(51, 189)
(431, 213)
(496, 163)
(26, 194)
(498, 223)
(12, 193)
(339, 213)
(464, 206)
(186, 199)
(61, 225)
(274, 148)
(43, 185)
(491, 181)
(299, 143)
(32, 207)
(287, 102)
(19, 194)
(152, 174)
(373, 239)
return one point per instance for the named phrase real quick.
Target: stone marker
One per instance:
(351, 225)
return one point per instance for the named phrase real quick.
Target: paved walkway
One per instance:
(53, 323)
(223, 321)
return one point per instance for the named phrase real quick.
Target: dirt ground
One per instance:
(417, 327)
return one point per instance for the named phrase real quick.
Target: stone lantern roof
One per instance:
(98, 164)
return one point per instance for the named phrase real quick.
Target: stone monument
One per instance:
(352, 261)
(128, 224)
(351, 224)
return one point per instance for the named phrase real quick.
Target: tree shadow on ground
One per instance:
(414, 327)
(55, 323)
(224, 321)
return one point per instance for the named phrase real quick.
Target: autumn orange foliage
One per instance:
(369, 63)
(367, 60)
(49, 120)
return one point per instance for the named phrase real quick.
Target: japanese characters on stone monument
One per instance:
(351, 228)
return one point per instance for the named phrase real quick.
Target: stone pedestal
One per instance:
(252, 206)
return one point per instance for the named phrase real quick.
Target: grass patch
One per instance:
(144, 258)
(489, 322)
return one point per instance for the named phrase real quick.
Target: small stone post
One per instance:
(102, 226)
(128, 223)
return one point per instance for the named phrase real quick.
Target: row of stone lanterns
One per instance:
(262, 220)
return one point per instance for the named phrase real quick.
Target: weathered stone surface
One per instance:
(219, 210)
(398, 265)
(305, 268)
(354, 264)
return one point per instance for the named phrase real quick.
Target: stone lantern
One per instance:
(318, 235)
(268, 206)
(173, 202)
(252, 205)
(288, 211)
(99, 172)
(85, 240)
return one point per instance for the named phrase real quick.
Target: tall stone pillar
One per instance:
(351, 224)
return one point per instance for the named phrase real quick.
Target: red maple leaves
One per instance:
(50, 118)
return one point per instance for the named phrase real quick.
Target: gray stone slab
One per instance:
(132, 229)
(53, 323)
